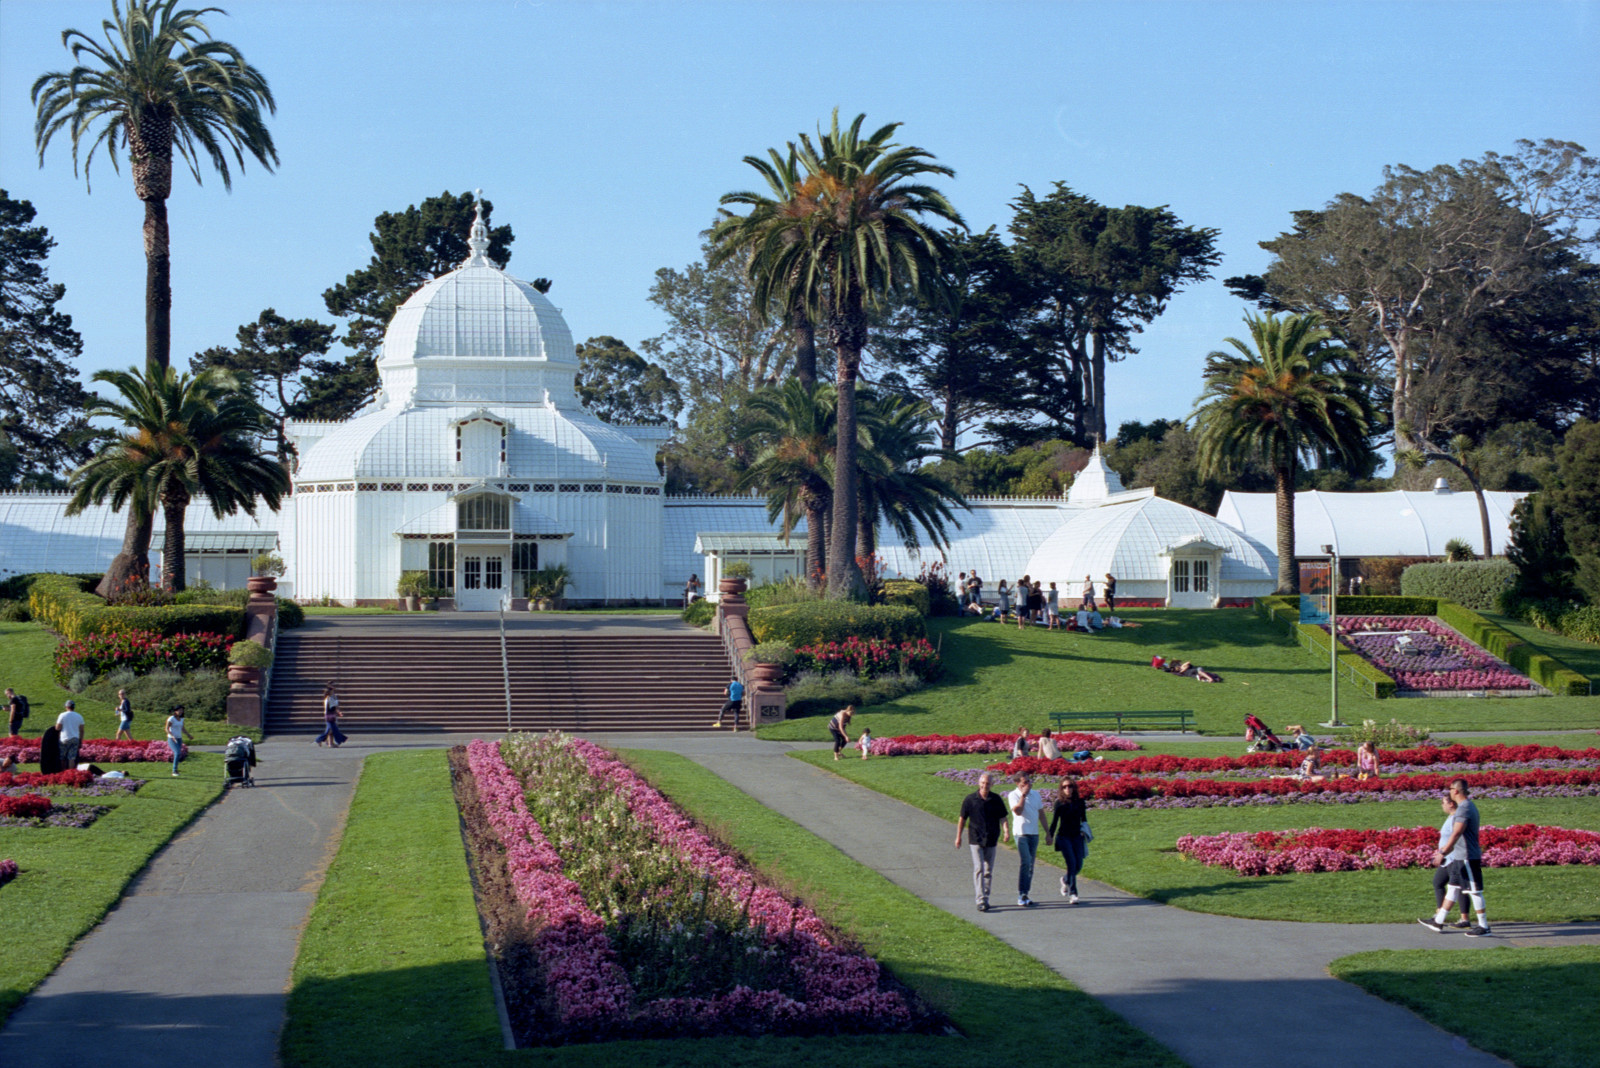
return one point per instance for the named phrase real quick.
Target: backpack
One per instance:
(22, 707)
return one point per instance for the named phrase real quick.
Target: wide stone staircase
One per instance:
(458, 683)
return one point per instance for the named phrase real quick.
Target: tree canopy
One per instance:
(620, 386)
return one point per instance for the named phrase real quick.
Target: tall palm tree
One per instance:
(158, 85)
(183, 436)
(773, 223)
(793, 427)
(865, 240)
(1284, 397)
(897, 436)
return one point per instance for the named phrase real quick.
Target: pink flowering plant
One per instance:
(94, 750)
(680, 936)
(872, 657)
(1317, 850)
(956, 744)
(1421, 654)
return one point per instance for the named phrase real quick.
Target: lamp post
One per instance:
(1333, 631)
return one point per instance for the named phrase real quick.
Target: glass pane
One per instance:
(1202, 579)
(492, 572)
(471, 572)
(1180, 576)
(442, 565)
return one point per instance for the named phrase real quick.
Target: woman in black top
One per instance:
(1111, 593)
(1067, 820)
(50, 750)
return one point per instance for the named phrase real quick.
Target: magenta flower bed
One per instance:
(1428, 655)
(94, 751)
(957, 744)
(1317, 850)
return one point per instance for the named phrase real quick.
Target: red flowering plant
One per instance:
(26, 806)
(140, 651)
(1315, 849)
(136, 592)
(873, 657)
(1458, 757)
(950, 744)
(95, 751)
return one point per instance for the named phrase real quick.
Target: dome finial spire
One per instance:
(479, 241)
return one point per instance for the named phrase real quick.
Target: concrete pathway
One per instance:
(192, 966)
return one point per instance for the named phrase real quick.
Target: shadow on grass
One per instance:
(1233, 888)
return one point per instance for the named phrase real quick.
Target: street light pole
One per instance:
(1333, 631)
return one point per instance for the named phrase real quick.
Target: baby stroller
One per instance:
(238, 758)
(1259, 737)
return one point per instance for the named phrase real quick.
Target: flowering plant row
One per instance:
(74, 778)
(1315, 849)
(25, 806)
(1428, 655)
(8, 871)
(1421, 756)
(950, 744)
(95, 750)
(140, 651)
(873, 657)
(698, 944)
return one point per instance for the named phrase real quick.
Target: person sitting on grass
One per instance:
(1020, 748)
(1047, 747)
(1310, 769)
(1299, 739)
(1366, 761)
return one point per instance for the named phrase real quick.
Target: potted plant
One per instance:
(430, 597)
(548, 587)
(265, 570)
(735, 578)
(245, 660)
(769, 661)
(411, 587)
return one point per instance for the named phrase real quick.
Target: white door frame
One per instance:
(480, 564)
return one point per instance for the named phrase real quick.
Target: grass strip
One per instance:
(70, 878)
(1135, 850)
(1536, 1007)
(391, 966)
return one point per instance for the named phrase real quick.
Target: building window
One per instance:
(1180, 576)
(471, 572)
(442, 565)
(416, 487)
(613, 489)
(483, 513)
(652, 491)
(518, 487)
(391, 487)
(593, 487)
(544, 487)
(569, 487)
(524, 562)
(446, 487)
(1202, 576)
(493, 574)
(347, 487)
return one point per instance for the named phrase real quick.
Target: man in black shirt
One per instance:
(983, 817)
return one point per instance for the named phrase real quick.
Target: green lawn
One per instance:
(1134, 850)
(998, 678)
(26, 655)
(400, 978)
(70, 878)
(1536, 1007)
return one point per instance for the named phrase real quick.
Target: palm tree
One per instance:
(864, 241)
(793, 425)
(1284, 397)
(158, 85)
(773, 224)
(896, 437)
(183, 436)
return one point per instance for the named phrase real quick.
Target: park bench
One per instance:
(1179, 717)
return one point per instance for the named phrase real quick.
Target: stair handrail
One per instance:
(505, 668)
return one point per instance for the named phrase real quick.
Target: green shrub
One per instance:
(250, 653)
(1542, 668)
(908, 592)
(203, 693)
(64, 604)
(815, 692)
(738, 569)
(699, 614)
(1475, 584)
(792, 590)
(1361, 604)
(1391, 735)
(834, 621)
(212, 595)
(1380, 575)
(80, 680)
(780, 653)
(14, 612)
(290, 614)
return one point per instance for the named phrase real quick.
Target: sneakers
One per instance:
(1063, 887)
(1430, 925)
(718, 724)
(1025, 902)
(1072, 900)
(1462, 924)
(983, 906)
(174, 775)
(1478, 932)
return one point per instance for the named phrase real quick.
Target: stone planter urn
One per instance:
(731, 587)
(243, 678)
(764, 674)
(411, 600)
(261, 584)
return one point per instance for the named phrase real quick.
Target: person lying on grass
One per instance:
(1187, 668)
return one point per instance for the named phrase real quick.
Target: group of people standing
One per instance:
(1031, 601)
(986, 818)
(61, 742)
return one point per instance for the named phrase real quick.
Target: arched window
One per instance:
(485, 512)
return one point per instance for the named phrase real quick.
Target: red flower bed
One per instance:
(1317, 850)
(874, 657)
(947, 744)
(27, 806)
(140, 651)
(1115, 787)
(74, 778)
(1420, 756)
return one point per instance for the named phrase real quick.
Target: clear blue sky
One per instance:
(605, 132)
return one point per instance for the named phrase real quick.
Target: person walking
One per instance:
(691, 590)
(1069, 821)
(735, 694)
(124, 717)
(1464, 829)
(16, 711)
(177, 730)
(331, 734)
(70, 723)
(1026, 807)
(1449, 873)
(983, 817)
(1088, 593)
(1110, 593)
(839, 727)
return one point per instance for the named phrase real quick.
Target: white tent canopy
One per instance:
(1397, 523)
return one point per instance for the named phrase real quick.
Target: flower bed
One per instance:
(95, 750)
(1315, 849)
(140, 651)
(872, 657)
(1428, 656)
(955, 744)
(646, 926)
(25, 806)
(8, 871)
(1417, 757)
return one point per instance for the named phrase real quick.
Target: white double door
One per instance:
(1192, 583)
(483, 578)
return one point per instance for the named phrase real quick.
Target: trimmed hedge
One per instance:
(908, 592)
(64, 604)
(1539, 666)
(1285, 611)
(1470, 583)
(1364, 605)
(815, 622)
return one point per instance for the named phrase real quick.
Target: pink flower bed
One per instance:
(957, 744)
(8, 871)
(1316, 849)
(1431, 656)
(94, 751)
(590, 990)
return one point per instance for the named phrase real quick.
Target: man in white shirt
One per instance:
(1025, 806)
(71, 726)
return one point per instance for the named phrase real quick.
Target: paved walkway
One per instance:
(192, 965)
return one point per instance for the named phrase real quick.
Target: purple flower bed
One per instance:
(1421, 654)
